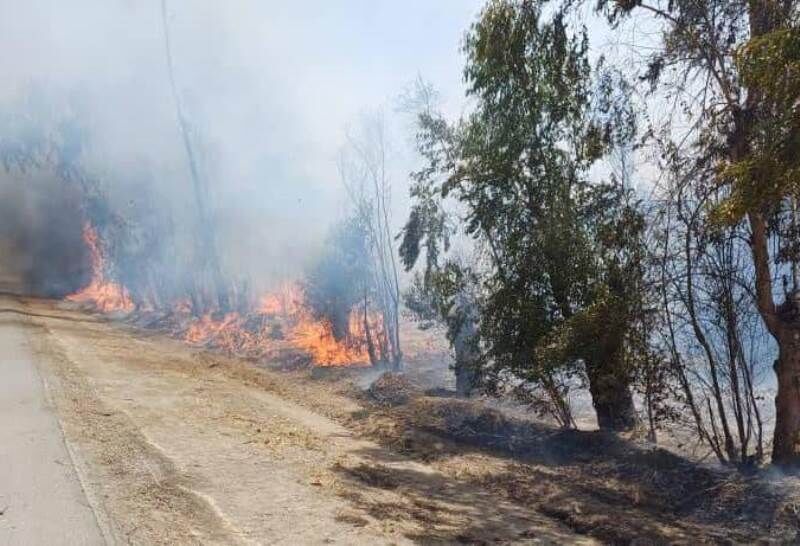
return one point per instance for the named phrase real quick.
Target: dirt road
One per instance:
(176, 446)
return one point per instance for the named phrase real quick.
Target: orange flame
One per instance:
(286, 301)
(104, 295)
(253, 334)
(316, 338)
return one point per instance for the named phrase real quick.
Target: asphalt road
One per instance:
(41, 498)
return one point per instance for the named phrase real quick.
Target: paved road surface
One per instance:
(41, 499)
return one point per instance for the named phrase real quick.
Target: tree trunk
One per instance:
(786, 441)
(611, 398)
(783, 323)
(206, 241)
(465, 359)
(465, 320)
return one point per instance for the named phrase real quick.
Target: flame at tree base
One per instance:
(317, 339)
(104, 295)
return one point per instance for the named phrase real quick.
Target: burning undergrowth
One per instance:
(167, 250)
(276, 322)
(281, 319)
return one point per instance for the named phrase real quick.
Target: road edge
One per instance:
(102, 520)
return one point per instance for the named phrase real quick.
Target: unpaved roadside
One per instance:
(176, 447)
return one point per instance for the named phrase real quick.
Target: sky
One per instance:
(271, 89)
(292, 75)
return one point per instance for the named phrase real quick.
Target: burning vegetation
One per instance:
(565, 279)
(342, 311)
(557, 282)
(101, 293)
(282, 316)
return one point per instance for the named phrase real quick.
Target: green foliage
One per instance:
(770, 171)
(564, 256)
(427, 225)
(437, 297)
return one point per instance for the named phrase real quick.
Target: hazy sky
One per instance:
(270, 88)
(288, 76)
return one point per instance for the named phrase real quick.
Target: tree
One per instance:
(46, 136)
(363, 168)
(447, 292)
(561, 253)
(732, 64)
(340, 279)
(711, 327)
(446, 295)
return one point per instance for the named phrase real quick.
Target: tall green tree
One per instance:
(562, 265)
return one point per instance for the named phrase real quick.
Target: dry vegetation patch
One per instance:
(619, 491)
(390, 389)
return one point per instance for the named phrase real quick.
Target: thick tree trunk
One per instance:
(611, 398)
(465, 360)
(465, 345)
(465, 380)
(784, 325)
(786, 441)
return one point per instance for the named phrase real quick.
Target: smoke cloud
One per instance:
(270, 91)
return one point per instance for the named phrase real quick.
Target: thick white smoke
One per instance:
(269, 89)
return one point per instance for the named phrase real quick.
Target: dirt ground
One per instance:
(177, 446)
(180, 446)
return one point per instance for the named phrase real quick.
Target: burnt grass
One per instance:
(617, 490)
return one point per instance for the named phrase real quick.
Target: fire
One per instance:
(283, 310)
(313, 336)
(285, 301)
(206, 328)
(279, 317)
(104, 295)
(316, 338)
